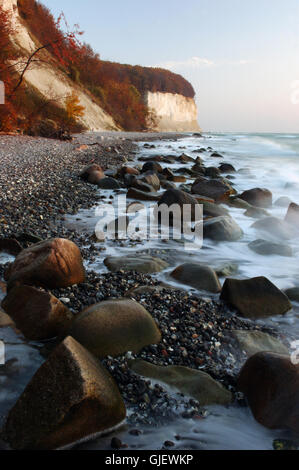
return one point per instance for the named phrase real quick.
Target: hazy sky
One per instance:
(242, 56)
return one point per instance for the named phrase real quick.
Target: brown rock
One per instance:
(38, 314)
(255, 298)
(51, 264)
(134, 193)
(114, 327)
(11, 246)
(257, 197)
(217, 189)
(92, 174)
(270, 383)
(197, 276)
(292, 216)
(70, 398)
(182, 199)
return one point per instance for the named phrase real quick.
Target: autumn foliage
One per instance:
(119, 89)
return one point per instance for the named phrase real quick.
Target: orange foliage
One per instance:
(73, 108)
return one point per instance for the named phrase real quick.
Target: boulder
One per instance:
(151, 179)
(283, 201)
(182, 199)
(108, 183)
(257, 197)
(194, 383)
(5, 320)
(292, 216)
(127, 170)
(92, 174)
(134, 193)
(114, 327)
(252, 342)
(227, 269)
(227, 168)
(264, 247)
(255, 298)
(141, 263)
(185, 158)
(212, 172)
(277, 228)
(222, 228)
(38, 314)
(237, 202)
(256, 212)
(270, 383)
(152, 166)
(216, 155)
(213, 210)
(51, 264)
(198, 276)
(70, 398)
(293, 294)
(217, 189)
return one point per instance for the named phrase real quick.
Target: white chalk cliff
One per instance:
(173, 112)
(50, 81)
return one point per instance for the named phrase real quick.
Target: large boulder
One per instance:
(270, 383)
(190, 382)
(51, 264)
(141, 263)
(182, 199)
(266, 248)
(255, 298)
(197, 276)
(254, 341)
(292, 216)
(277, 228)
(108, 183)
(152, 166)
(134, 193)
(222, 228)
(293, 294)
(227, 168)
(151, 179)
(38, 314)
(213, 210)
(114, 327)
(69, 399)
(218, 189)
(10, 246)
(257, 197)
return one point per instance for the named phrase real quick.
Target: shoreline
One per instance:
(38, 198)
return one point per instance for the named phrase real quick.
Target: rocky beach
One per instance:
(135, 343)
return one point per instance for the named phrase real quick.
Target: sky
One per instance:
(242, 57)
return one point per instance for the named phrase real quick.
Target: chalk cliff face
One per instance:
(174, 112)
(51, 82)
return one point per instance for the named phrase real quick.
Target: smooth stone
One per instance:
(152, 166)
(93, 174)
(140, 263)
(292, 216)
(71, 398)
(256, 212)
(255, 298)
(275, 227)
(266, 248)
(258, 197)
(283, 201)
(253, 342)
(134, 193)
(235, 201)
(114, 327)
(108, 183)
(10, 246)
(293, 293)
(227, 269)
(213, 210)
(270, 383)
(227, 168)
(51, 264)
(217, 189)
(198, 276)
(182, 199)
(222, 228)
(197, 384)
(37, 314)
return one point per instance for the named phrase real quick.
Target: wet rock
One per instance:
(168, 185)
(264, 247)
(227, 168)
(213, 210)
(222, 228)
(38, 314)
(134, 193)
(283, 201)
(114, 327)
(5, 320)
(185, 158)
(277, 228)
(198, 170)
(292, 216)
(140, 185)
(293, 293)
(139, 263)
(253, 342)
(53, 263)
(227, 269)
(127, 170)
(178, 179)
(212, 172)
(152, 166)
(93, 174)
(197, 384)
(217, 189)
(256, 212)
(151, 179)
(237, 202)
(197, 276)
(108, 183)
(11, 246)
(182, 199)
(70, 398)
(216, 155)
(270, 383)
(255, 298)
(257, 197)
